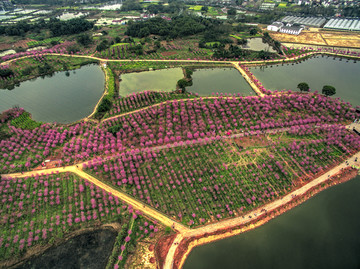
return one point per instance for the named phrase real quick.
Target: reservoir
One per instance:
(221, 80)
(63, 98)
(158, 80)
(318, 71)
(321, 233)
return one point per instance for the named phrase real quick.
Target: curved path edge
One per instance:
(253, 215)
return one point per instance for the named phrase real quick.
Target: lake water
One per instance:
(158, 80)
(321, 233)
(90, 250)
(343, 74)
(222, 80)
(59, 98)
(256, 44)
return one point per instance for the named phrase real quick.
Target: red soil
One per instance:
(162, 248)
(168, 53)
(21, 43)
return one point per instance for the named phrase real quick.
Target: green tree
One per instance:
(45, 69)
(204, 9)
(84, 39)
(103, 45)
(303, 86)
(188, 73)
(328, 90)
(182, 83)
(242, 41)
(231, 11)
(4, 73)
(265, 55)
(253, 31)
(105, 105)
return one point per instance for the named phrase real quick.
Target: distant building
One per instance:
(343, 24)
(291, 29)
(275, 26)
(267, 6)
(307, 21)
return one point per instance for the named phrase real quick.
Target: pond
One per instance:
(222, 80)
(321, 233)
(59, 98)
(318, 71)
(256, 44)
(90, 250)
(158, 80)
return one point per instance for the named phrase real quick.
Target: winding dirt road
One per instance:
(183, 231)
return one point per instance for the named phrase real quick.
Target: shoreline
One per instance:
(188, 244)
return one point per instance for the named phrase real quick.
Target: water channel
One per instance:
(321, 233)
(318, 71)
(158, 80)
(222, 80)
(205, 81)
(256, 44)
(59, 98)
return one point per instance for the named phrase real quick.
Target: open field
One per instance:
(324, 37)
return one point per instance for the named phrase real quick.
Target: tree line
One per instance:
(179, 26)
(56, 27)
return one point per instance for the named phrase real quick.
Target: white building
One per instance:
(275, 26)
(291, 29)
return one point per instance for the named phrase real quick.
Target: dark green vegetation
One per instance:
(183, 83)
(56, 27)
(106, 102)
(179, 26)
(5, 73)
(328, 90)
(303, 86)
(24, 121)
(89, 250)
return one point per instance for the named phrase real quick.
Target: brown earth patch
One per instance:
(314, 38)
(168, 53)
(321, 37)
(354, 43)
(251, 141)
(162, 247)
(17, 44)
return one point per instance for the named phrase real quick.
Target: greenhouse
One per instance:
(343, 24)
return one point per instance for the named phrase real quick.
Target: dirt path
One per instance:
(124, 197)
(248, 80)
(287, 59)
(183, 231)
